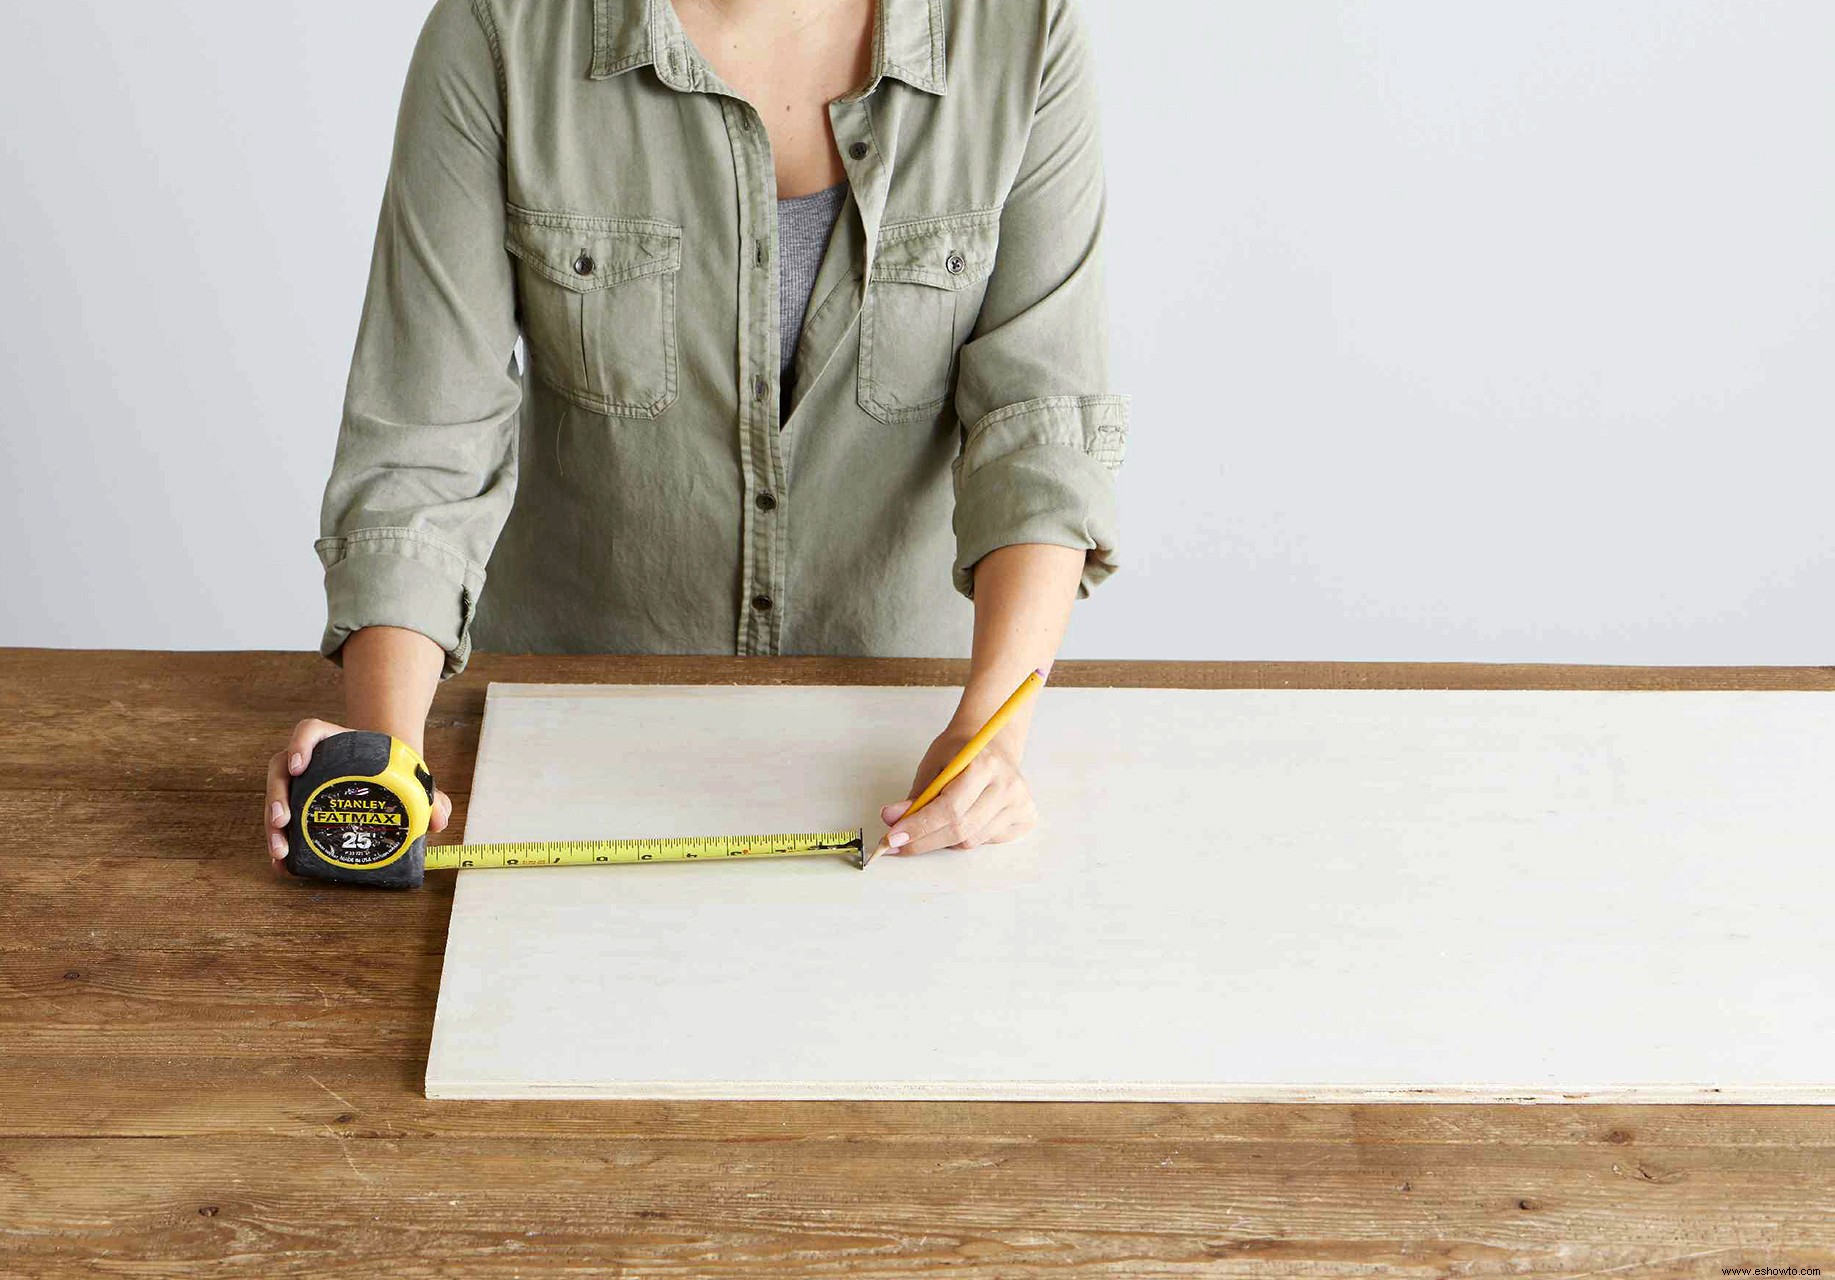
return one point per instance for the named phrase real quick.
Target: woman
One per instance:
(739, 429)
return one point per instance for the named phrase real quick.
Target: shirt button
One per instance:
(954, 263)
(759, 387)
(766, 501)
(583, 265)
(761, 603)
(858, 151)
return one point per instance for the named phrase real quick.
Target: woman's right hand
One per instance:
(290, 761)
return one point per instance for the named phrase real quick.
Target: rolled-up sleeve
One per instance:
(425, 467)
(1043, 433)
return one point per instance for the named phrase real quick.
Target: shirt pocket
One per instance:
(929, 277)
(597, 302)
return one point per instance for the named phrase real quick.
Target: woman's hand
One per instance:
(987, 803)
(288, 763)
(389, 677)
(1023, 594)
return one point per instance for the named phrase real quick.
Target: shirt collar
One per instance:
(908, 45)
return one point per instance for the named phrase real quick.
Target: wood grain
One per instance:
(713, 1208)
(229, 1084)
(112, 1092)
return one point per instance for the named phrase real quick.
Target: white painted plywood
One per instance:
(1232, 894)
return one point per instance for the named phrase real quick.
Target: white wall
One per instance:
(1456, 331)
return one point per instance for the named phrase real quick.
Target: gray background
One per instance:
(1454, 330)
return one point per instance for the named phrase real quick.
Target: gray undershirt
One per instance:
(804, 224)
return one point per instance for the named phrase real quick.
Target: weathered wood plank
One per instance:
(402, 1207)
(221, 905)
(209, 721)
(112, 1091)
(257, 999)
(274, 678)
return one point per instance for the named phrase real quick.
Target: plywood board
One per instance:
(1232, 894)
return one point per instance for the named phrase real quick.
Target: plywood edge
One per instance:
(1048, 1091)
(498, 690)
(617, 689)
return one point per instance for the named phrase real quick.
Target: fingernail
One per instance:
(277, 845)
(296, 762)
(897, 838)
(277, 813)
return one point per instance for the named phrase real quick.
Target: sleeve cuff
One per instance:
(399, 578)
(1041, 470)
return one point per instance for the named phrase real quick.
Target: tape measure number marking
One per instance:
(583, 853)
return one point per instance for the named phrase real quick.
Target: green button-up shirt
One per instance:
(574, 172)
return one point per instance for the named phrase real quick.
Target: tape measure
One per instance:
(360, 808)
(581, 853)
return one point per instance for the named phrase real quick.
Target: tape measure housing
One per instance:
(359, 812)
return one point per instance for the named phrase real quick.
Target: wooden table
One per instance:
(208, 1069)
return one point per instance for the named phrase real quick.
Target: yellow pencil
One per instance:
(1033, 682)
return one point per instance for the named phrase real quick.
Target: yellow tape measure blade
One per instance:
(585, 853)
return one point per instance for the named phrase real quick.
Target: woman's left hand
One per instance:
(987, 803)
